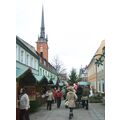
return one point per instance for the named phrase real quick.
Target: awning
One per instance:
(83, 83)
(38, 78)
(61, 83)
(54, 82)
(19, 72)
(25, 77)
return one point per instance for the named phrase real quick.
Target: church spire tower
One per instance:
(42, 46)
(42, 25)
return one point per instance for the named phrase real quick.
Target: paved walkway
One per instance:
(96, 112)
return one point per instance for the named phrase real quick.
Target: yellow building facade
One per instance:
(96, 70)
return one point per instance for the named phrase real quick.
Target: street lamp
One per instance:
(99, 58)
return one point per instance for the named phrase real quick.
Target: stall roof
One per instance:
(19, 72)
(61, 83)
(25, 77)
(38, 78)
(54, 82)
(83, 83)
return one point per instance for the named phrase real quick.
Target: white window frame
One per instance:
(41, 71)
(27, 59)
(31, 61)
(17, 54)
(35, 65)
(21, 56)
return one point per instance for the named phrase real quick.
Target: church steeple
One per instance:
(42, 34)
(42, 46)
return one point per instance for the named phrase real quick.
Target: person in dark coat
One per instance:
(59, 96)
(85, 96)
(79, 93)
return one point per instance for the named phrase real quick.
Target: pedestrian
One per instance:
(79, 92)
(71, 97)
(64, 93)
(79, 95)
(91, 92)
(75, 86)
(50, 98)
(59, 96)
(55, 95)
(85, 96)
(24, 105)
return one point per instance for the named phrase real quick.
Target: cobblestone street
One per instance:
(96, 112)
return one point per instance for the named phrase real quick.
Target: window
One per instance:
(40, 59)
(22, 52)
(99, 86)
(16, 52)
(46, 73)
(44, 62)
(40, 71)
(27, 60)
(35, 66)
(31, 62)
(103, 86)
(41, 49)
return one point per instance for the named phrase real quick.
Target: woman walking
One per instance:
(71, 97)
(50, 98)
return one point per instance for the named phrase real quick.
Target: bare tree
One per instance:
(58, 65)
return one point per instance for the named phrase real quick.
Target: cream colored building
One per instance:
(96, 72)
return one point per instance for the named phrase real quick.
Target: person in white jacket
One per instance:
(50, 98)
(24, 105)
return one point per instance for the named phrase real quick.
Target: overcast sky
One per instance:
(75, 28)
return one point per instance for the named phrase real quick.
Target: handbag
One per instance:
(66, 103)
(43, 96)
